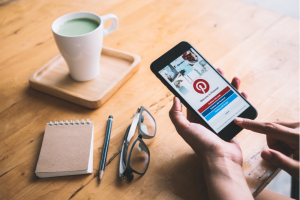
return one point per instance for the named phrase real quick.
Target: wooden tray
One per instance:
(116, 67)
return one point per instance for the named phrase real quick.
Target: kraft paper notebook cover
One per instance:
(67, 149)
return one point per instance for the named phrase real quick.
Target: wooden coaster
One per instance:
(116, 67)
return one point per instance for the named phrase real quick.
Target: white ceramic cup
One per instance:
(82, 52)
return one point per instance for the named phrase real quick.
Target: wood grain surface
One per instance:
(259, 46)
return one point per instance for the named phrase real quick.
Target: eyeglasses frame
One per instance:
(141, 135)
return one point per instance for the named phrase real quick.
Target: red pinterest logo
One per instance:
(201, 86)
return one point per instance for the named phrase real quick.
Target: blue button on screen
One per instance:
(217, 103)
(221, 107)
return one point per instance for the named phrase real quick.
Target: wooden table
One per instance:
(259, 46)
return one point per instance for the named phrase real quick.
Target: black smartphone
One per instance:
(203, 90)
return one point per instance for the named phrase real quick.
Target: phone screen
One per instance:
(204, 89)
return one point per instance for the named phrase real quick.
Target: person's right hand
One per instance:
(283, 140)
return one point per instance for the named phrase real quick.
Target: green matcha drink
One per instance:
(78, 26)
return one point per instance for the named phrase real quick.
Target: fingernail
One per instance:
(238, 120)
(266, 155)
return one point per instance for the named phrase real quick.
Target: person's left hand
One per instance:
(204, 142)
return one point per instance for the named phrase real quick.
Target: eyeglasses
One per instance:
(138, 158)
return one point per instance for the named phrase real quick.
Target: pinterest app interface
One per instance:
(205, 91)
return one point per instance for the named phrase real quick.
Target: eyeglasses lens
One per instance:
(147, 123)
(139, 157)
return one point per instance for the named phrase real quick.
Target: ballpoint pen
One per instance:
(105, 148)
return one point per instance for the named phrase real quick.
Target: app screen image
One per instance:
(205, 91)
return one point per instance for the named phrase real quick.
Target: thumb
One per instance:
(177, 117)
(282, 161)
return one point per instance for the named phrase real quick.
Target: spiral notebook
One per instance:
(67, 149)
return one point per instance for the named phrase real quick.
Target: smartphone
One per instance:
(203, 90)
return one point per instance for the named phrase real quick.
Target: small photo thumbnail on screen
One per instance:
(170, 73)
(184, 68)
(195, 61)
(179, 84)
(190, 56)
(204, 65)
(201, 67)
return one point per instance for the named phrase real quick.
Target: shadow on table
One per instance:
(181, 177)
(57, 103)
(186, 178)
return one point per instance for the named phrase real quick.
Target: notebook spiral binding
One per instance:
(82, 122)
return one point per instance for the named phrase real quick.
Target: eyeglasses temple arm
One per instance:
(121, 165)
(133, 125)
(126, 142)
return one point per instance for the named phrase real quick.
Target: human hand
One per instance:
(204, 142)
(282, 139)
(222, 161)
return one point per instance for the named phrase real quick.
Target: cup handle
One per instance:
(114, 25)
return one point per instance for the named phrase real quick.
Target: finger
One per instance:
(176, 115)
(273, 130)
(234, 141)
(282, 161)
(236, 82)
(193, 134)
(245, 95)
(191, 117)
(289, 124)
(278, 146)
(221, 70)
